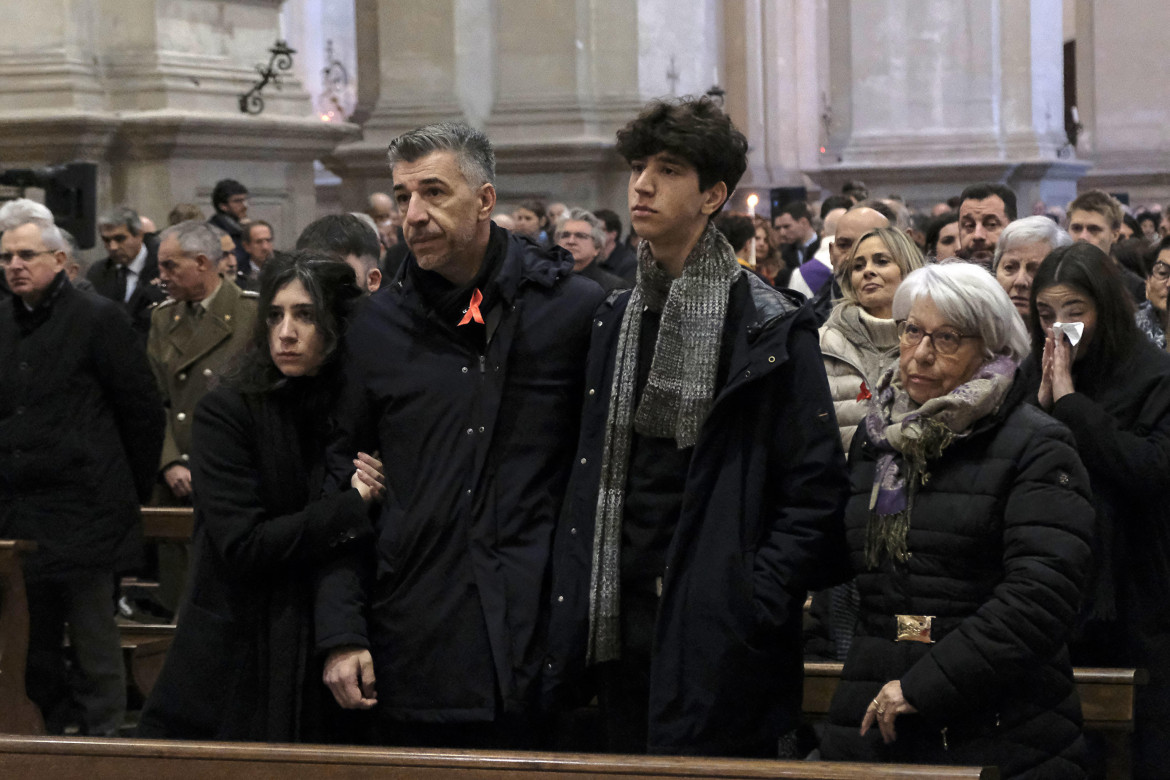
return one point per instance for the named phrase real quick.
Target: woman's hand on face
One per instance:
(887, 705)
(368, 479)
(1062, 360)
(1044, 396)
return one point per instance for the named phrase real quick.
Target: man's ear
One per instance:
(373, 280)
(487, 201)
(203, 262)
(713, 198)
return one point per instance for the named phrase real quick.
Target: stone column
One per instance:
(1123, 97)
(407, 77)
(149, 90)
(942, 94)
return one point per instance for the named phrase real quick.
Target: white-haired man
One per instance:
(80, 432)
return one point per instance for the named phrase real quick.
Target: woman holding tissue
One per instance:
(1095, 372)
(969, 529)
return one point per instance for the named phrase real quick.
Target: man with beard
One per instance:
(984, 211)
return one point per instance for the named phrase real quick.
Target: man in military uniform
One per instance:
(193, 337)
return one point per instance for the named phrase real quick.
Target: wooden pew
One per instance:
(1107, 701)
(18, 715)
(101, 759)
(167, 524)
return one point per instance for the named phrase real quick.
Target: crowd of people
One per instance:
(469, 478)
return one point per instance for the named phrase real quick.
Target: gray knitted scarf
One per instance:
(674, 404)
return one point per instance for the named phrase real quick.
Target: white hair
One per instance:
(23, 211)
(969, 298)
(596, 226)
(1027, 231)
(196, 237)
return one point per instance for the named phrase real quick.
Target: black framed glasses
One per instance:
(946, 341)
(1160, 271)
(24, 255)
(579, 236)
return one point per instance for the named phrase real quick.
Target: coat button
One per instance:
(481, 429)
(469, 491)
(748, 372)
(560, 599)
(182, 377)
(584, 461)
(470, 431)
(1063, 479)
(181, 416)
(573, 531)
(185, 457)
(592, 391)
(771, 358)
(599, 323)
(207, 372)
(465, 369)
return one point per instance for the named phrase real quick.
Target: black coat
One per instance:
(608, 281)
(1120, 418)
(147, 292)
(81, 427)
(764, 494)
(476, 447)
(241, 665)
(622, 262)
(1000, 544)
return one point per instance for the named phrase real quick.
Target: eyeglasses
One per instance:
(946, 341)
(25, 255)
(1161, 272)
(581, 236)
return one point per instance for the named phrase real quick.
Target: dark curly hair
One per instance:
(695, 129)
(333, 289)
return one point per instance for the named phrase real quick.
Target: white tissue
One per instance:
(1071, 330)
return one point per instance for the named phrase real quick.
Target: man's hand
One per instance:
(349, 675)
(178, 479)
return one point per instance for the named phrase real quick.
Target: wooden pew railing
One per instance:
(105, 759)
(18, 715)
(167, 524)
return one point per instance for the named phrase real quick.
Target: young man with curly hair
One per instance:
(709, 478)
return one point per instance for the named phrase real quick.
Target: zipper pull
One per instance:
(944, 738)
(482, 364)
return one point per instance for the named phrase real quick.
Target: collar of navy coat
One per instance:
(524, 263)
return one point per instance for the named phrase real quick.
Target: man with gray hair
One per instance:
(193, 335)
(582, 235)
(466, 371)
(129, 275)
(80, 432)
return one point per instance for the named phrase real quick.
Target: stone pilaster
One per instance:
(149, 90)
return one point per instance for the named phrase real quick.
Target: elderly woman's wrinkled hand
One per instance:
(887, 705)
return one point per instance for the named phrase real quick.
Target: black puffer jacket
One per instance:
(1000, 545)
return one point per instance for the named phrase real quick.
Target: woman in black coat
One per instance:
(969, 528)
(1113, 392)
(241, 665)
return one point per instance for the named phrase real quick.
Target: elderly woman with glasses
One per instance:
(1151, 314)
(1022, 246)
(1112, 389)
(969, 532)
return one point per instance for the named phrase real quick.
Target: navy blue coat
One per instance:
(476, 447)
(760, 520)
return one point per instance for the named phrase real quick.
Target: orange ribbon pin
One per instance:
(473, 312)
